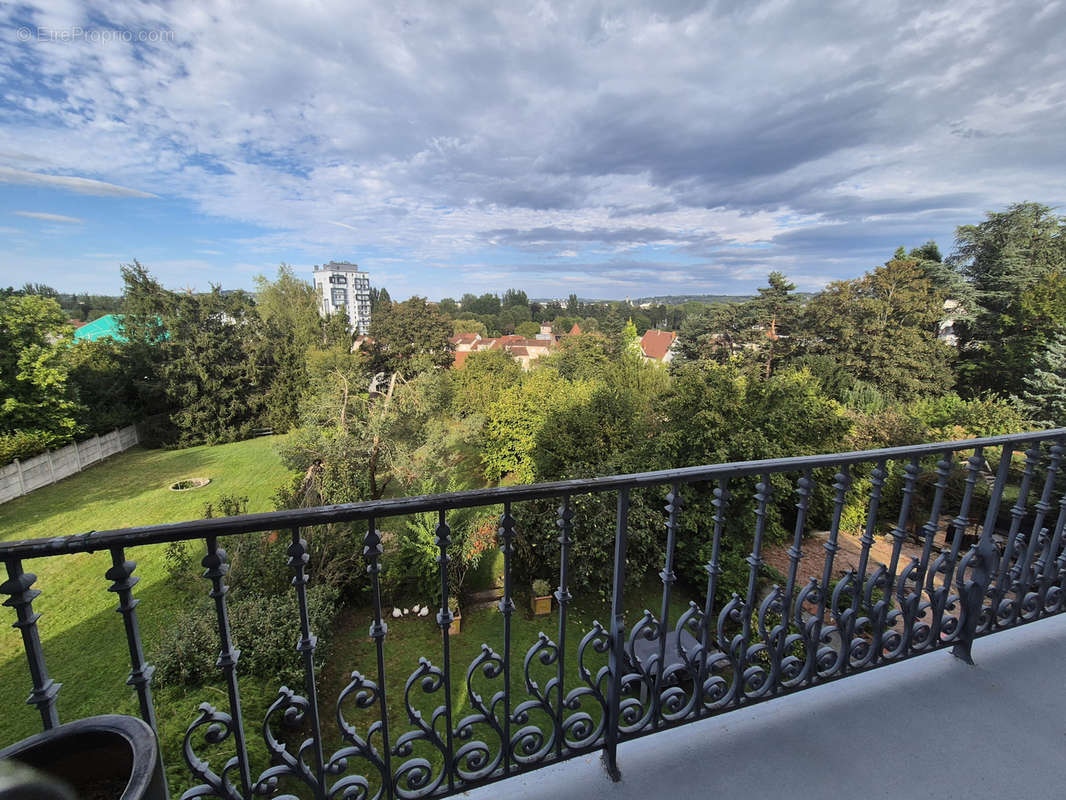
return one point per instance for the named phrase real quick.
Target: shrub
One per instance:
(411, 565)
(26, 444)
(266, 629)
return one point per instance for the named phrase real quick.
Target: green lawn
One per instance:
(83, 637)
(85, 646)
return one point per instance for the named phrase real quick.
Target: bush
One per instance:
(411, 559)
(266, 629)
(26, 444)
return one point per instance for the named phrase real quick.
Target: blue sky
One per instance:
(608, 149)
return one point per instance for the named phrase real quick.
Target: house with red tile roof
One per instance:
(658, 345)
(524, 350)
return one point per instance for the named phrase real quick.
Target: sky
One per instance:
(605, 149)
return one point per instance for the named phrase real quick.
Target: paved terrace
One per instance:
(929, 727)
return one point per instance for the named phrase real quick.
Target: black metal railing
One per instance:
(978, 562)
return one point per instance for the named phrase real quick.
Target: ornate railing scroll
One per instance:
(834, 565)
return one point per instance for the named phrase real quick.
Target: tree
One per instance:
(337, 331)
(379, 298)
(468, 326)
(352, 445)
(35, 397)
(39, 290)
(514, 297)
(718, 413)
(144, 304)
(515, 419)
(927, 252)
(582, 357)
(212, 376)
(777, 313)
(1044, 392)
(484, 376)
(881, 329)
(291, 305)
(527, 329)
(410, 337)
(944, 276)
(292, 326)
(717, 333)
(1005, 258)
(103, 383)
(630, 339)
(448, 306)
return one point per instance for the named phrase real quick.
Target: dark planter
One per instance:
(110, 757)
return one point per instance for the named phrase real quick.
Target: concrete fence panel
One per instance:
(22, 477)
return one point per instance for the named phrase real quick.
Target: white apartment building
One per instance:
(341, 285)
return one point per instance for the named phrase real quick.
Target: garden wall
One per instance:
(22, 477)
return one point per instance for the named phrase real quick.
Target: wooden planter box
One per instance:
(453, 629)
(541, 605)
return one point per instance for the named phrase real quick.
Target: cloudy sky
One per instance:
(608, 149)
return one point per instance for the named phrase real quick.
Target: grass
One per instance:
(85, 646)
(83, 637)
(411, 638)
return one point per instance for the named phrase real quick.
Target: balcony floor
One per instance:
(929, 727)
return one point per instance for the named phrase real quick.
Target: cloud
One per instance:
(69, 183)
(715, 140)
(48, 217)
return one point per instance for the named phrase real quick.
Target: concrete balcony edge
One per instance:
(931, 726)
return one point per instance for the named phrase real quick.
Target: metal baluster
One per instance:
(962, 520)
(1041, 506)
(18, 586)
(1049, 565)
(1017, 513)
(507, 609)
(714, 569)
(943, 472)
(763, 492)
(984, 560)
(841, 484)
(378, 629)
(673, 509)
(616, 658)
(795, 551)
(140, 677)
(444, 619)
(298, 558)
(899, 533)
(877, 481)
(216, 565)
(562, 597)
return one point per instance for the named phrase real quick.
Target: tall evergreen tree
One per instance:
(1006, 258)
(212, 374)
(1044, 386)
(776, 311)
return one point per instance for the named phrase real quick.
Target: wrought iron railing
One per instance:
(981, 563)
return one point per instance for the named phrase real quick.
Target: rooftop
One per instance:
(656, 344)
(338, 266)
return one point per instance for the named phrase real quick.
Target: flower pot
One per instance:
(107, 756)
(541, 605)
(453, 629)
